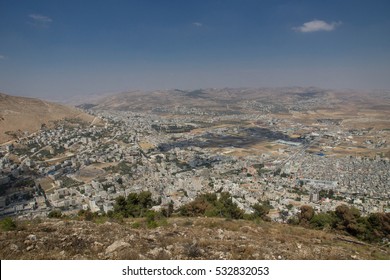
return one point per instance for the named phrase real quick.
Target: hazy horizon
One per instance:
(56, 50)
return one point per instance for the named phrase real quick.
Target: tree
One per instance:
(227, 208)
(260, 211)
(133, 199)
(349, 219)
(306, 214)
(346, 216)
(135, 205)
(198, 207)
(120, 206)
(379, 224)
(167, 212)
(322, 220)
(209, 205)
(145, 199)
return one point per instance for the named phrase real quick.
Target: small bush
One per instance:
(293, 221)
(154, 219)
(8, 224)
(152, 224)
(117, 217)
(89, 216)
(86, 215)
(55, 214)
(192, 251)
(188, 223)
(136, 225)
(260, 211)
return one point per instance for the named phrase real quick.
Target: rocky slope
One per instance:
(178, 238)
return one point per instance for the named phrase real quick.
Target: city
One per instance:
(255, 157)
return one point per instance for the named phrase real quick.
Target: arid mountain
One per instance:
(244, 100)
(210, 99)
(179, 238)
(20, 115)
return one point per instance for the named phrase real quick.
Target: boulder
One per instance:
(116, 245)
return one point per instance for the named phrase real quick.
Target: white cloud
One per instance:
(316, 25)
(40, 20)
(2, 57)
(197, 24)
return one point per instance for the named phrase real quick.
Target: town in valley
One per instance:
(287, 147)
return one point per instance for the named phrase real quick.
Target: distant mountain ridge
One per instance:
(175, 97)
(238, 99)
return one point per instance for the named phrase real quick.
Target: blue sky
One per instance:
(56, 49)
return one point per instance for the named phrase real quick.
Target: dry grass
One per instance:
(180, 238)
(146, 145)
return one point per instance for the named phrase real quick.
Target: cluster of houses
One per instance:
(131, 155)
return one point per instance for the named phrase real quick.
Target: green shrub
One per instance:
(209, 205)
(152, 224)
(322, 220)
(227, 208)
(260, 211)
(86, 215)
(89, 216)
(293, 221)
(136, 225)
(373, 228)
(135, 205)
(8, 224)
(168, 211)
(55, 214)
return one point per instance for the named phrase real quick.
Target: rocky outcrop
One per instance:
(178, 238)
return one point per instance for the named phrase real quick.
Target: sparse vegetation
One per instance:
(135, 205)
(211, 206)
(373, 228)
(55, 214)
(86, 215)
(8, 224)
(260, 211)
(181, 238)
(68, 182)
(122, 168)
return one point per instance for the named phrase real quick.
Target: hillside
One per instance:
(21, 114)
(178, 238)
(245, 100)
(207, 99)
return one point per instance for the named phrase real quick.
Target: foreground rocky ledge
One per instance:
(179, 238)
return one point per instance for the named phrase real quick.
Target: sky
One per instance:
(58, 49)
